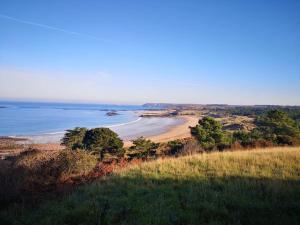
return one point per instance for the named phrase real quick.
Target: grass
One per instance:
(54, 166)
(31, 175)
(243, 187)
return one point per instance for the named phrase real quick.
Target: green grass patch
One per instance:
(245, 187)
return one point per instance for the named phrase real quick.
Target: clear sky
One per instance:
(108, 51)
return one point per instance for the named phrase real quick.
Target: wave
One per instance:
(122, 124)
(38, 134)
(45, 134)
(108, 126)
(54, 133)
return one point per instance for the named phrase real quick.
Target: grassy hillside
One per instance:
(245, 187)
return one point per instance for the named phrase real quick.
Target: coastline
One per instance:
(178, 129)
(173, 132)
(146, 127)
(160, 133)
(156, 125)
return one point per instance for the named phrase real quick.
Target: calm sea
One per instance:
(31, 118)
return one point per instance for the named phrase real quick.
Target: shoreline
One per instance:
(156, 125)
(146, 127)
(176, 130)
(173, 132)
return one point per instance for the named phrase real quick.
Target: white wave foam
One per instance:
(43, 135)
(54, 133)
(122, 124)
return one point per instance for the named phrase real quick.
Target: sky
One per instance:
(133, 52)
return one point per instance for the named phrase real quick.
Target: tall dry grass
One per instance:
(241, 187)
(276, 162)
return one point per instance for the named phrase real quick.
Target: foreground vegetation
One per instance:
(243, 187)
(32, 175)
(257, 187)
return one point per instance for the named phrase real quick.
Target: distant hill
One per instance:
(231, 109)
(181, 106)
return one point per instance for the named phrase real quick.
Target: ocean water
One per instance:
(26, 118)
(47, 122)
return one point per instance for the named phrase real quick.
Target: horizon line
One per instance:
(136, 104)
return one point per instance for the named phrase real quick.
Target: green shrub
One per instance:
(275, 127)
(209, 133)
(278, 127)
(73, 139)
(284, 140)
(142, 148)
(101, 141)
(175, 146)
(244, 138)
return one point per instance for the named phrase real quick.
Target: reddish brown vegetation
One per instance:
(253, 145)
(33, 175)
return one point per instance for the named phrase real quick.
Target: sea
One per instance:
(44, 122)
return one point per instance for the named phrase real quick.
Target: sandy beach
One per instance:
(173, 132)
(156, 125)
(177, 131)
(170, 132)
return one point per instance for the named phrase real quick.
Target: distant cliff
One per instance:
(182, 106)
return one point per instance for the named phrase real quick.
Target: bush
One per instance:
(101, 141)
(209, 133)
(284, 140)
(190, 147)
(175, 146)
(45, 167)
(278, 127)
(73, 139)
(273, 128)
(142, 148)
(74, 163)
(34, 172)
(242, 137)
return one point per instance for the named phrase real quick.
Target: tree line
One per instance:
(274, 127)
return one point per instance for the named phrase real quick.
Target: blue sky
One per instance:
(234, 52)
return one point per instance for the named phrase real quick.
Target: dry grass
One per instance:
(34, 174)
(241, 187)
(277, 162)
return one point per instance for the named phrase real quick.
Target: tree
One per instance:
(142, 148)
(248, 139)
(98, 140)
(241, 136)
(278, 127)
(209, 133)
(73, 139)
(103, 141)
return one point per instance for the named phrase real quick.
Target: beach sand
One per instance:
(157, 129)
(174, 132)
